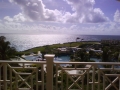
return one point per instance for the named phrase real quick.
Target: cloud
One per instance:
(10, 27)
(117, 16)
(35, 10)
(35, 27)
(17, 18)
(73, 27)
(7, 18)
(83, 11)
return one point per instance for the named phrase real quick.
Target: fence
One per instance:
(50, 75)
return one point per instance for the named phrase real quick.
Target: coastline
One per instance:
(24, 42)
(52, 46)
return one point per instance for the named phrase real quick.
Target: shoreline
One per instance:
(52, 46)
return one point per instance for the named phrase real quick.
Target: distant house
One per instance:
(63, 50)
(96, 51)
(75, 48)
(33, 57)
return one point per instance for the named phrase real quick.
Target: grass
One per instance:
(50, 47)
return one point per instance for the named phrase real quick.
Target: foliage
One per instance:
(6, 51)
(81, 55)
(106, 54)
(110, 53)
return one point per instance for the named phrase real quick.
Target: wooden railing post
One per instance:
(49, 60)
(5, 76)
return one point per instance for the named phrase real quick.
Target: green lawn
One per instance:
(50, 47)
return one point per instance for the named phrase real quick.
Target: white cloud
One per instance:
(36, 11)
(7, 18)
(73, 27)
(83, 11)
(52, 15)
(9, 27)
(23, 27)
(17, 18)
(84, 15)
(117, 16)
(34, 4)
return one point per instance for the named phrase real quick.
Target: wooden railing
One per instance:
(50, 75)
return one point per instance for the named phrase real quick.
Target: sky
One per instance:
(86, 17)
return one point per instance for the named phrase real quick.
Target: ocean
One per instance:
(26, 41)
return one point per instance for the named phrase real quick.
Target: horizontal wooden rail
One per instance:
(51, 75)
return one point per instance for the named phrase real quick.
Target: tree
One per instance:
(106, 54)
(6, 51)
(81, 55)
(77, 38)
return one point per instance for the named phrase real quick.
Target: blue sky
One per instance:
(60, 16)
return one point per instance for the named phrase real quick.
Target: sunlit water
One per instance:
(26, 41)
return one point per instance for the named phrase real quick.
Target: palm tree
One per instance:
(106, 55)
(77, 38)
(82, 39)
(6, 52)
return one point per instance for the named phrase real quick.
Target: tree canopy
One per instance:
(6, 51)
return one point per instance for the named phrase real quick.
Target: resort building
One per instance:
(63, 50)
(96, 51)
(33, 57)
